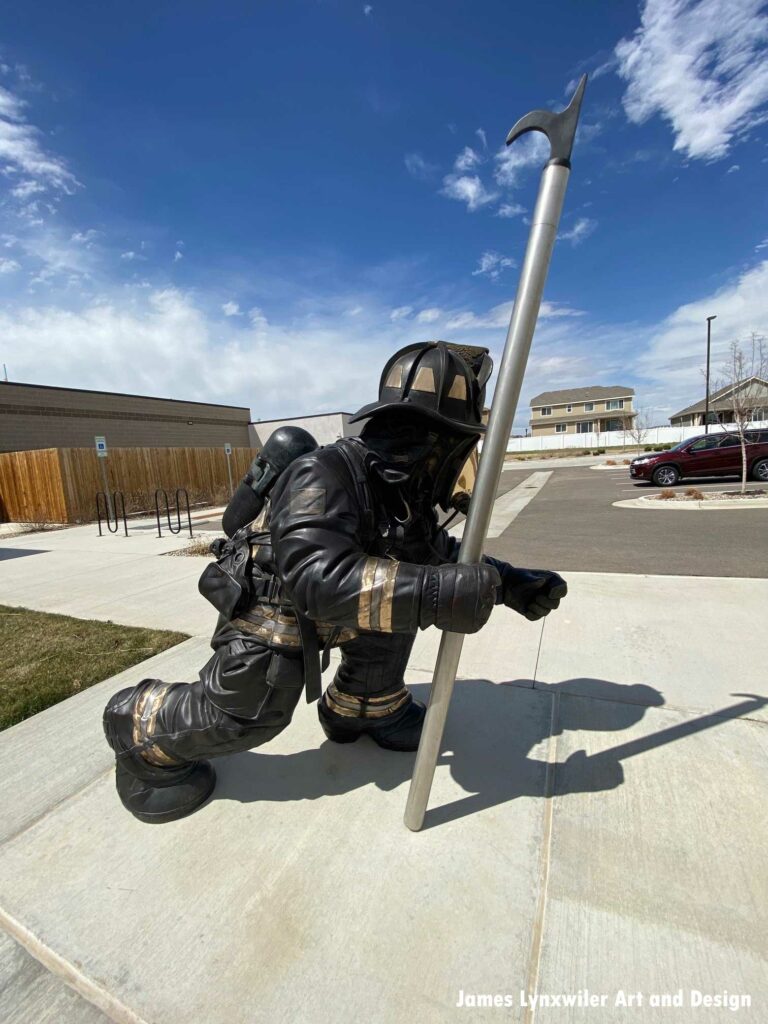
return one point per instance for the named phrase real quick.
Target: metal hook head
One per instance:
(560, 128)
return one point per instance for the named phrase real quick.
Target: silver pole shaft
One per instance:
(522, 324)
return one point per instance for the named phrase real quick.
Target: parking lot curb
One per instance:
(692, 506)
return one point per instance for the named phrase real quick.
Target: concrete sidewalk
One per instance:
(118, 578)
(597, 821)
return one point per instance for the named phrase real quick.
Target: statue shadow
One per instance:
(490, 743)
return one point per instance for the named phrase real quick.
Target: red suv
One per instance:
(709, 455)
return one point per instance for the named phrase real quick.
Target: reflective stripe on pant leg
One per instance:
(373, 665)
(245, 697)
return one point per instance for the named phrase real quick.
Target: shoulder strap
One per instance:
(353, 452)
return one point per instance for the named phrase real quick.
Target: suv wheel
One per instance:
(760, 471)
(666, 476)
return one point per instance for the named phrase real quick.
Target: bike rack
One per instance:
(180, 492)
(117, 496)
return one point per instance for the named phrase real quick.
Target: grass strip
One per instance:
(46, 658)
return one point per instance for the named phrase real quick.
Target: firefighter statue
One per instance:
(338, 546)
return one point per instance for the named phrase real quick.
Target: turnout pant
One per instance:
(246, 694)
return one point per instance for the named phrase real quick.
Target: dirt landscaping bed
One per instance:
(694, 494)
(47, 658)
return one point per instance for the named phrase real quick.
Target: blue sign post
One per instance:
(101, 451)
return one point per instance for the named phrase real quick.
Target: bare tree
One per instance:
(745, 372)
(641, 424)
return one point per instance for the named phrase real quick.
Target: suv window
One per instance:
(732, 441)
(705, 442)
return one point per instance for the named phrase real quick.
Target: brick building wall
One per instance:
(34, 416)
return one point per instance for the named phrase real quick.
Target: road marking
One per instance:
(509, 506)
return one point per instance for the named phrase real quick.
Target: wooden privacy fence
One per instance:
(59, 485)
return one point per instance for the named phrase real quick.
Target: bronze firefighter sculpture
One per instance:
(338, 546)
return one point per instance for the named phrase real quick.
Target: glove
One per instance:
(531, 592)
(458, 598)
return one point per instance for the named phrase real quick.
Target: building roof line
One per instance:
(306, 416)
(582, 394)
(122, 394)
(715, 396)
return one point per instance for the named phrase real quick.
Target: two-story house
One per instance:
(582, 410)
(753, 397)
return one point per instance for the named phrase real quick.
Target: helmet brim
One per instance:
(412, 407)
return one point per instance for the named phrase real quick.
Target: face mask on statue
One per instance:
(422, 458)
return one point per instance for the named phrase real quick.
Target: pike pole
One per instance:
(560, 129)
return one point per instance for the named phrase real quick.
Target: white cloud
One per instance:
(510, 210)
(22, 152)
(51, 255)
(467, 189)
(27, 188)
(8, 266)
(131, 256)
(257, 318)
(368, 10)
(554, 310)
(178, 255)
(467, 160)
(481, 135)
(582, 229)
(400, 313)
(418, 167)
(733, 168)
(166, 342)
(498, 316)
(230, 309)
(84, 237)
(163, 342)
(761, 245)
(702, 67)
(429, 316)
(677, 347)
(491, 264)
(512, 162)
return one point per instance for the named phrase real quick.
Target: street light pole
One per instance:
(706, 401)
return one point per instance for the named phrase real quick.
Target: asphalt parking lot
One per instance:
(572, 524)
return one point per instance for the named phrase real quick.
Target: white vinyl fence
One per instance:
(614, 438)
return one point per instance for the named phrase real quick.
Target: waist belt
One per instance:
(267, 589)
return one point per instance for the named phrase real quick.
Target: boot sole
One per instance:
(162, 817)
(341, 736)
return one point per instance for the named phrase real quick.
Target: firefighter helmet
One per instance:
(444, 382)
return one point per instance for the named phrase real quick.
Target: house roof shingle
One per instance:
(714, 397)
(588, 394)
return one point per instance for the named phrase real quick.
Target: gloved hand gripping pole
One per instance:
(560, 129)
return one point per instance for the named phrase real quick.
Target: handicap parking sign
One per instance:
(101, 447)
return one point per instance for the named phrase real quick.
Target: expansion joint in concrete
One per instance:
(537, 933)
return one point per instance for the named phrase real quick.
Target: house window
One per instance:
(614, 424)
(546, 410)
(561, 428)
(614, 403)
(589, 407)
(569, 408)
(585, 427)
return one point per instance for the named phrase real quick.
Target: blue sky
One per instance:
(258, 203)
